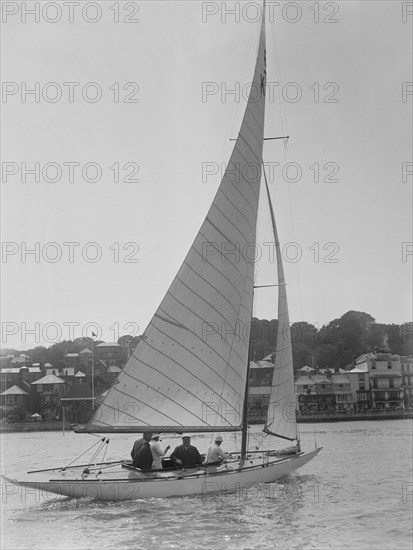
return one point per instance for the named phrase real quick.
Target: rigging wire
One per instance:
(284, 123)
(106, 448)
(275, 48)
(102, 444)
(87, 450)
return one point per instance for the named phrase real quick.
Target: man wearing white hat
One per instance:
(215, 453)
(157, 452)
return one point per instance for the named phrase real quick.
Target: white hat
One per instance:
(218, 438)
(154, 436)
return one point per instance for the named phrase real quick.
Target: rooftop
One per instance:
(340, 379)
(305, 381)
(363, 369)
(49, 379)
(16, 370)
(261, 365)
(114, 369)
(14, 390)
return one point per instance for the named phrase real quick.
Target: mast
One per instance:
(244, 439)
(93, 375)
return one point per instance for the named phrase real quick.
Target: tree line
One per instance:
(336, 344)
(333, 345)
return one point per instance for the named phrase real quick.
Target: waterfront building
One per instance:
(111, 353)
(72, 360)
(50, 389)
(15, 403)
(62, 372)
(112, 373)
(360, 387)
(305, 392)
(385, 379)
(324, 395)
(323, 392)
(77, 404)
(341, 391)
(85, 359)
(407, 380)
(18, 375)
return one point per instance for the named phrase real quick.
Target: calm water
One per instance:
(357, 494)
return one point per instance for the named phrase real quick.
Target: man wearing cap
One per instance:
(215, 453)
(146, 437)
(186, 454)
(157, 452)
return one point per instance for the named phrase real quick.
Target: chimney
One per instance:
(23, 375)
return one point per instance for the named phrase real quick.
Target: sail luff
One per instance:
(281, 419)
(188, 372)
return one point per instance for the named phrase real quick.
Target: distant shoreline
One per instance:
(19, 427)
(302, 418)
(336, 417)
(6, 427)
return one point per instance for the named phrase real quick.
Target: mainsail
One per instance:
(281, 419)
(188, 372)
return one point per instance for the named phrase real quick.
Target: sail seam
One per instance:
(251, 130)
(222, 274)
(228, 240)
(202, 320)
(232, 347)
(220, 252)
(203, 299)
(210, 285)
(137, 401)
(253, 154)
(246, 239)
(238, 189)
(248, 186)
(238, 210)
(182, 367)
(169, 398)
(223, 359)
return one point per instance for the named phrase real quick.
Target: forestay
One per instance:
(188, 373)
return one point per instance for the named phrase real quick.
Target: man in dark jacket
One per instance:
(137, 446)
(186, 454)
(145, 458)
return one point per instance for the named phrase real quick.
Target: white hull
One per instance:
(117, 483)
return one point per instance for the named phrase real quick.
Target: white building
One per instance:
(384, 377)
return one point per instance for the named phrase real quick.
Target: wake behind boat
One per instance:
(189, 371)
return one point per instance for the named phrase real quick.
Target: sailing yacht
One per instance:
(189, 371)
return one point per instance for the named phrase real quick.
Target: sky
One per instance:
(128, 128)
